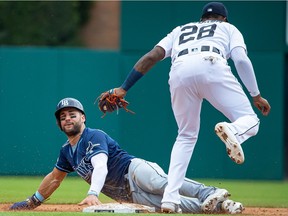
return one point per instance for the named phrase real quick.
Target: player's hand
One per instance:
(90, 200)
(29, 204)
(117, 91)
(262, 104)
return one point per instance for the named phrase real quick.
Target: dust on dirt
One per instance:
(77, 208)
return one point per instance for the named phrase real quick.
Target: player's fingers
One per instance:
(119, 92)
(259, 106)
(81, 203)
(266, 110)
(86, 203)
(266, 107)
(104, 95)
(98, 202)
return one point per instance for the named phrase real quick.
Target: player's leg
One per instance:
(151, 178)
(225, 93)
(244, 123)
(190, 205)
(186, 108)
(209, 196)
(148, 176)
(147, 182)
(191, 188)
(220, 205)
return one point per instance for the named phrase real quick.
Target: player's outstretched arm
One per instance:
(48, 185)
(100, 171)
(143, 65)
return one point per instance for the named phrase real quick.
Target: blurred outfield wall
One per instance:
(33, 80)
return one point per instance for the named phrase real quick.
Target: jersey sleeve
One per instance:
(245, 70)
(62, 163)
(97, 144)
(167, 43)
(236, 39)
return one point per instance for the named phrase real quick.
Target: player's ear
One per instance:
(83, 118)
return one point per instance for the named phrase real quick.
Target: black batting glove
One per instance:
(29, 204)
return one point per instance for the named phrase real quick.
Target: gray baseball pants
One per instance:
(147, 182)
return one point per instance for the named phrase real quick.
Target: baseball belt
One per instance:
(200, 49)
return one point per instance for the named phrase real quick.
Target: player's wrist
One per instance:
(92, 192)
(256, 93)
(131, 79)
(257, 97)
(34, 201)
(39, 197)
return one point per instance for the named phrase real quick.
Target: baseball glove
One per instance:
(111, 102)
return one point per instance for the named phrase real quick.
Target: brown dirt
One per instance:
(77, 208)
(102, 30)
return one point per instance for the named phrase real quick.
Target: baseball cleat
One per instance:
(210, 203)
(169, 207)
(233, 148)
(231, 207)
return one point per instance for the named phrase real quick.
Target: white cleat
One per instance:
(169, 207)
(233, 148)
(210, 203)
(231, 207)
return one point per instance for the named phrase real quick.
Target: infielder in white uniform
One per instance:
(199, 70)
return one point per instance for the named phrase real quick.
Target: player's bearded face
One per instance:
(72, 122)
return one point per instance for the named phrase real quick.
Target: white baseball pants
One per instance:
(192, 79)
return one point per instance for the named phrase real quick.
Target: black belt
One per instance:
(127, 168)
(202, 49)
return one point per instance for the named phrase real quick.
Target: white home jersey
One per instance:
(221, 35)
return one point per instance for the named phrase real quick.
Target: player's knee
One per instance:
(255, 128)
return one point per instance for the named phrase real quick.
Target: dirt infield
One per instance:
(77, 208)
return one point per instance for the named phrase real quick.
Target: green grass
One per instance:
(73, 190)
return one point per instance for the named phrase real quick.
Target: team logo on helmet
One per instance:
(64, 102)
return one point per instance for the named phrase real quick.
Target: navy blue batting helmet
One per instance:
(215, 8)
(67, 102)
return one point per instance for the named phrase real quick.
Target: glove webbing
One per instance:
(118, 102)
(122, 104)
